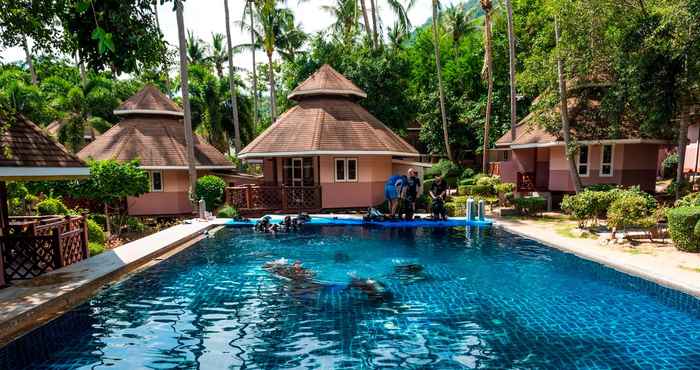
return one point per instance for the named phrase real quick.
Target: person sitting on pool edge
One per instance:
(438, 193)
(411, 190)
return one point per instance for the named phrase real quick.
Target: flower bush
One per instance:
(684, 227)
(211, 189)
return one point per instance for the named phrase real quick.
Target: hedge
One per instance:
(211, 189)
(95, 232)
(684, 228)
(51, 206)
(530, 205)
(227, 212)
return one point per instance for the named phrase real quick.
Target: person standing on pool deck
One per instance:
(392, 190)
(412, 187)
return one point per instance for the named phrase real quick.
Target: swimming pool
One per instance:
(486, 299)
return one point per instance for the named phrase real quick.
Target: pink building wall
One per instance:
(367, 191)
(173, 200)
(691, 151)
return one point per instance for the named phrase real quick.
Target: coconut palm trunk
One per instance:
(564, 112)
(511, 52)
(30, 62)
(255, 75)
(273, 93)
(365, 17)
(488, 67)
(682, 144)
(155, 13)
(232, 85)
(189, 138)
(436, 42)
(375, 30)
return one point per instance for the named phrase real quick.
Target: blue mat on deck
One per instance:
(339, 221)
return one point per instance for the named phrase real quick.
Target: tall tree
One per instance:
(30, 62)
(375, 30)
(365, 18)
(441, 88)
(564, 113)
(189, 137)
(217, 54)
(511, 56)
(253, 48)
(196, 49)
(346, 17)
(487, 6)
(232, 86)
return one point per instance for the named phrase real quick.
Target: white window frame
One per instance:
(346, 169)
(162, 183)
(587, 163)
(611, 163)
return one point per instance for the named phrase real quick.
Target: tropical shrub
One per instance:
(490, 181)
(95, 248)
(95, 232)
(684, 227)
(449, 170)
(502, 191)
(476, 190)
(669, 166)
(630, 209)
(211, 189)
(690, 200)
(51, 206)
(427, 184)
(587, 206)
(228, 212)
(468, 173)
(135, 225)
(530, 205)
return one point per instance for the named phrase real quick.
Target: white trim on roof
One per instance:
(327, 152)
(148, 111)
(186, 168)
(9, 173)
(590, 142)
(327, 91)
(411, 163)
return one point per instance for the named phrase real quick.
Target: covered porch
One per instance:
(527, 168)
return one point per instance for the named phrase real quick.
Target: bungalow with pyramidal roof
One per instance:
(326, 152)
(152, 130)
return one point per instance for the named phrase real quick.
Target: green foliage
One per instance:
(669, 166)
(95, 248)
(629, 209)
(530, 206)
(227, 212)
(110, 181)
(211, 189)
(468, 173)
(690, 200)
(135, 225)
(504, 187)
(95, 233)
(592, 205)
(483, 189)
(683, 226)
(51, 206)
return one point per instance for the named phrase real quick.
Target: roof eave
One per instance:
(43, 173)
(313, 92)
(121, 112)
(326, 152)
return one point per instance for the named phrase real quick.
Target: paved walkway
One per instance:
(663, 265)
(26, 303)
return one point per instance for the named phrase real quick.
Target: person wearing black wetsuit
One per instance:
(412, 188)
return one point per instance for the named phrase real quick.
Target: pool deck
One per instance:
(27, 304)
(662, 265)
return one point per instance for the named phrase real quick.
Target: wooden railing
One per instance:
(33, 246)
(274, 198)
(495, 168)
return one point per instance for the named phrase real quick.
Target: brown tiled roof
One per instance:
(149, 98)
(29, 146)
(585, 118)
(327, 124)
(157, 141)
(327, 81)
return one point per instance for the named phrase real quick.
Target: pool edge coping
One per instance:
(636, 271)
(43, 312)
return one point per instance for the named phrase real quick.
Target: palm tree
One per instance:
(375, 31)
(346, 17)
(487, 6)
(253, 48)
(399, 10)
(365, 18)
(511, 53)
(189, 138)
(436, 41)
(196, 49)
(218, 55)
(397, 35)
(232, 86)
(458, 22)
(564, 113)
(30, 62)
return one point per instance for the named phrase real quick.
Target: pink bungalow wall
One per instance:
(173, 200)
(367, 191)
(691, 151)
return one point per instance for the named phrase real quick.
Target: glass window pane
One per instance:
(583, 154)
(606, 169)
(607, 153)
(352, 169)
(582, 169)
(339, 169)
(157, 181)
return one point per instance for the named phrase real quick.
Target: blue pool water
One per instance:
(486, 299)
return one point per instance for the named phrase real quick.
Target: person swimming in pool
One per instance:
(295, 271)
(372, 288)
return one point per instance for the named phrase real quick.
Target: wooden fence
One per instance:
(274, 198)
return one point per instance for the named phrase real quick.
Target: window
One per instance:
(582, 162)
(506, 155)
(298, 171)
(156, 181)
(345, 169)
(606, 160)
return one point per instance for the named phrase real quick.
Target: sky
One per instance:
(203, 17)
